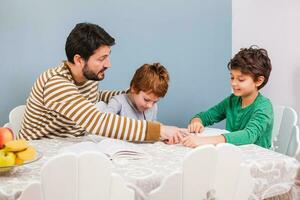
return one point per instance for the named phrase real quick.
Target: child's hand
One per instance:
(195, 126)
(191, 141)
(170, 134)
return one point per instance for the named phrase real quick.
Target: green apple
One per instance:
(6, 159)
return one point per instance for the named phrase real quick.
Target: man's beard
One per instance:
(89, 75)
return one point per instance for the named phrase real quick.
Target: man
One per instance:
(62, 100)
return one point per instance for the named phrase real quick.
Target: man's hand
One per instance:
(170, 134)
(196, 126)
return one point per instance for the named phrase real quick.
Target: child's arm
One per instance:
(213, 115)
(196, 140)
(259, 127)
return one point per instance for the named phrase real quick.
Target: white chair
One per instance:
(232, 180)
(195, 180)
(199, 167)
(72, 177)
(294, 147)
(206, 168)
(245, 184)
(15, 119)
(285, 135)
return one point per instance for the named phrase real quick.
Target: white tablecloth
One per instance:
(273, 172)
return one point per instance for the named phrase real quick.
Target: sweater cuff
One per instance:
(232, 138)
(152, 131)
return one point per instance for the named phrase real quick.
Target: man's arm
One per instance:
(65, 99)
(106, 95)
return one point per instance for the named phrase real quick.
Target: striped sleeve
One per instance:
(106, 95)
(62, 96)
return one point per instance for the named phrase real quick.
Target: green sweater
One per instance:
(250, 125)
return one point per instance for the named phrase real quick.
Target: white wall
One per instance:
(275, 26)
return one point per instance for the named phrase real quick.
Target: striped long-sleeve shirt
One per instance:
(57, 107)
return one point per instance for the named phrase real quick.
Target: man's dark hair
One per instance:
(253, 61)
(84, 39)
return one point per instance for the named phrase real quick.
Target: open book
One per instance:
(113, 148)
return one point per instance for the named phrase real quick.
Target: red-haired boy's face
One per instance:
(143, 100)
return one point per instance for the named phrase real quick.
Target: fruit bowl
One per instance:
(7, 170)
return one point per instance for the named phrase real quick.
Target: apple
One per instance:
(6, 159)
(6, 135)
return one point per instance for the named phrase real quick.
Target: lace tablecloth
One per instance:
(273, 172)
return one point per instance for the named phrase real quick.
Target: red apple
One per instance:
(6, 135)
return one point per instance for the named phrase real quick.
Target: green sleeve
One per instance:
(255, 128)
(214, 114)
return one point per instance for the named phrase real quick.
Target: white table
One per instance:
(273, 172)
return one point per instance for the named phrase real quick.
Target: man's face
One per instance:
(97, 63)
(144, 100)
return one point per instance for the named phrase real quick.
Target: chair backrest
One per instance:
(285, 120)
(227, 171)
(73, 177)
(294, 147)
(206, 168)
(199, 172)
(195, 180)
(245, 184)
(16, 117)
(232, 180)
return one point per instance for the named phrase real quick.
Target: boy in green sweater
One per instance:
(249, 115)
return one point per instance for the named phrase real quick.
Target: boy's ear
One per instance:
(259, 81)
(132, 89)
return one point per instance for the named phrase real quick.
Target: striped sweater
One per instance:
(57, 107)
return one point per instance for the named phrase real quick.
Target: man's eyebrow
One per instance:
(104, 56)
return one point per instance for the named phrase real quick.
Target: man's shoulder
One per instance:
(59, 75)
(59, 72)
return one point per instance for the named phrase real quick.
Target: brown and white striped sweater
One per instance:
(57, 107)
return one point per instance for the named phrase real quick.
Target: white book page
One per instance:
(207, 132)
(116, 148)
(113, 148)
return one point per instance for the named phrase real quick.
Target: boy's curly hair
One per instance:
(253, 61)
(151, 78)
